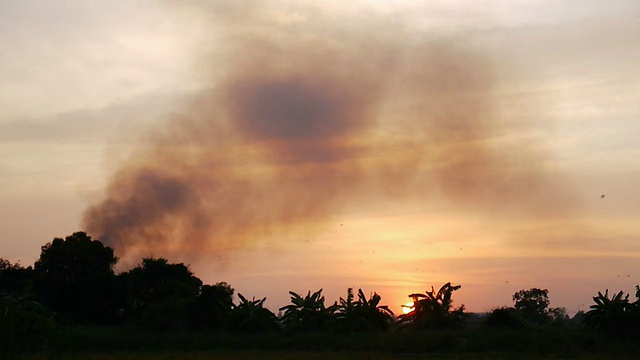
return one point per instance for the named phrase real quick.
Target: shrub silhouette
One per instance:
(505, 317)
(15, 280)
(25, 325)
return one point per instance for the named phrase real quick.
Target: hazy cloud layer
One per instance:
(102, 125)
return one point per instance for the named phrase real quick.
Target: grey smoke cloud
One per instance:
(306, 117)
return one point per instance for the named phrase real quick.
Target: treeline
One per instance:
(73, 283)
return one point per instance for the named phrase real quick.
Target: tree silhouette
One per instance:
(433, 309)
(75, 277)
(160, 294)
(363, 314)
(308, 313)
(558, 315)
(212, 309)
(533, 305)
(251, 316)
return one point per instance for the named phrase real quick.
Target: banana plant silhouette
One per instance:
(363, 314)
(433, 309)
(308, 313)
(616, 315)
(251, 316)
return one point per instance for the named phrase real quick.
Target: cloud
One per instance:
(100, 125)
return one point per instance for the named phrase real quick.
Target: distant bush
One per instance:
(505, 317)
(15, 280)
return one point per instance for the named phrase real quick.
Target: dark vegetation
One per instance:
(71, 301)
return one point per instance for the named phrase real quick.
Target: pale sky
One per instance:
(83, 84)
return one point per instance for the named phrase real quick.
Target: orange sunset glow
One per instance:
(297, 145)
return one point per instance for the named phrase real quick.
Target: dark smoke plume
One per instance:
(306, 117)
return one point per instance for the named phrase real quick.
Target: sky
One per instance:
(296, 145)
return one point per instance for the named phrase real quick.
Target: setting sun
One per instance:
(408, 307)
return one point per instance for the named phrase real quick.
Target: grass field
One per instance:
(313, 355)
(475, 343)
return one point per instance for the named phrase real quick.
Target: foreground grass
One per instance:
(537, 341)
(313, 355)
(475, 343)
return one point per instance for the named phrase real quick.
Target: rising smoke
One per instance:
(306, 115)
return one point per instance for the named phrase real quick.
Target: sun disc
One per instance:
(408, 307)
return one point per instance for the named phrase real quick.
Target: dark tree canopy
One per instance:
(533, 304)
(75, 276)
(212, 309)
(159, 294)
